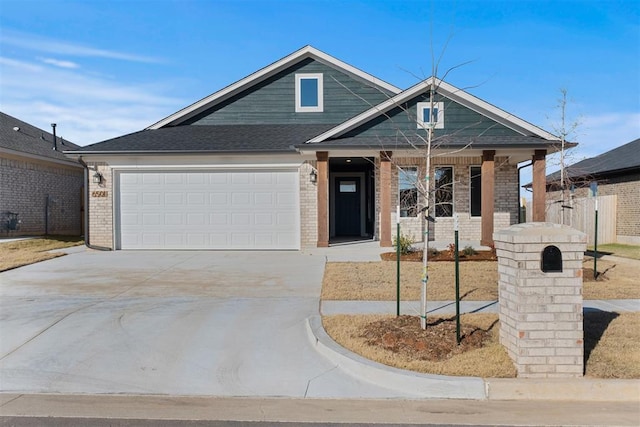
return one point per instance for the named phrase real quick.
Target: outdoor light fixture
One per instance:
(313, 176)
(97, 178)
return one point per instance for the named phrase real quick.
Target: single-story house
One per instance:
(40, 188)
(616, 172)
(310, 151)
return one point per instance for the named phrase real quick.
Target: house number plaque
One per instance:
(101, 193)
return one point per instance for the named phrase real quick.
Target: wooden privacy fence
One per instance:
(582, 216)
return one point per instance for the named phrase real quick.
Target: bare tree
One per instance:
(566, 130)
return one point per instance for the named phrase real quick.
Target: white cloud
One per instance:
(87, 108)
(59, 63)
(56, 47)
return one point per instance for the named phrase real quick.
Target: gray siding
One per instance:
(272, 101)
(458, 120)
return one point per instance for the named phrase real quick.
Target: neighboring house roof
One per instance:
(451, 92)
(265, 73)
(21, 138)
(625, 158)
(211, 139)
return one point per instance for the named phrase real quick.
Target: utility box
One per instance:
(540, 297)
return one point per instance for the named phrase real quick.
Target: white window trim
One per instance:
(420, 115)
(320, 107)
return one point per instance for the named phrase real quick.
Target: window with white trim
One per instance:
(444, 191)
(408, 191)
(427, 118)
(309, 93)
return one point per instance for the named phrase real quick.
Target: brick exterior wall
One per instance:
(627, 188)
(541, 322)
(101, 208)
(308, 207)
(101, 211)
(46, 196)
(506, 190)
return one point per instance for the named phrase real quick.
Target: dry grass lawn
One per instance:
(617, 280)
(376, 281)
(616, 354)
(612, 347)
(24, 252)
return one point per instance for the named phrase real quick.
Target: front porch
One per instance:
(357, 195)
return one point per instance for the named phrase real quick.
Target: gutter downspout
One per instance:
(519, 207)
(86, 209)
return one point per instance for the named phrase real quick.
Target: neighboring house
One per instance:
(307, 152)
(40, 188)
(616, 172)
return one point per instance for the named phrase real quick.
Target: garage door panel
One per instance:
(208, 210)
(173, 198)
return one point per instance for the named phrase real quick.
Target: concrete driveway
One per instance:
(178, 323)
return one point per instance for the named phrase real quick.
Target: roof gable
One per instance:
(264, 74)
(447, 90)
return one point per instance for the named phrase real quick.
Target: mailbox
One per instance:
(551, 260)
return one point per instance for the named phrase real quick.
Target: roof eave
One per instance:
(179, 152)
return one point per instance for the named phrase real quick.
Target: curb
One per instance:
(407, 382)
(428, 386)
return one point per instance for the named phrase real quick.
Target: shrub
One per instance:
(468, 251)
(404, 242)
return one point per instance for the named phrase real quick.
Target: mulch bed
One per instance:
(403, 335)
(441, 256)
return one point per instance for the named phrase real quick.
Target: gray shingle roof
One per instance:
(448, 141)
(621, 159)
(30, 139)
(278, 138)
(211, 139)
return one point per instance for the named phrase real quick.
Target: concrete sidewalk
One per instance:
(328, 307)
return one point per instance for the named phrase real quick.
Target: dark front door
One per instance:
(347, 208)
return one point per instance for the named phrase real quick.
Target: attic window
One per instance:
(309, 93)
(427, 118)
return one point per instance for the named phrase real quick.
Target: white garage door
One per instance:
(208, 210)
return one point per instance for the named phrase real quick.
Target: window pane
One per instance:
(425, 115)
(309, 92)
(408, 192)
(444, 191)
(476, 190)
(348, 187)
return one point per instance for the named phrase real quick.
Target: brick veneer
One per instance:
(101, 208)
(24, 187)
(627, 188)
(308, 207)
(541, 322)
(506, 194)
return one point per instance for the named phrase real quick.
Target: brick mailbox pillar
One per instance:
(540, 297)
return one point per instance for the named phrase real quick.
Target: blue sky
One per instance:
(100, 69)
